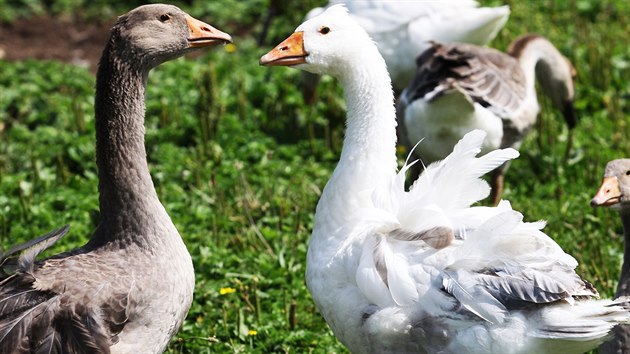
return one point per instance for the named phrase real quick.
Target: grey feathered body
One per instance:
(91, 300)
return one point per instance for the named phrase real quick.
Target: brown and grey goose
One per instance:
(129, 288)
(461, 87)
(614, 193)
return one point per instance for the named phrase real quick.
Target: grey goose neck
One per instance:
(623, 288)
(127, 197)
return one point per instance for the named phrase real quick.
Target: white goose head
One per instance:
(614, 191)
(331, 43)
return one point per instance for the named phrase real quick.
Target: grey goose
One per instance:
(129, 288)
(614, 193)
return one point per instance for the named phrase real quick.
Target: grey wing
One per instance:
(36, 319)
(491, 291)
(517, 286)
(489, 77)
(492, 78)
(41, 321)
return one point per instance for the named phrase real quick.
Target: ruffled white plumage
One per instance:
(495, 266)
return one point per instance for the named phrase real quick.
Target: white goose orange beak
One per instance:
(608, 193)
(289, 52)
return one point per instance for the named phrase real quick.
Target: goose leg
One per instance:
(496, 183)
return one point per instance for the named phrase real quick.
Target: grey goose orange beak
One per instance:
(204, 35)
(608, 193)
(289, 52)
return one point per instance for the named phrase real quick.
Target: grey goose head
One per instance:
(614, 191)
(158, 33)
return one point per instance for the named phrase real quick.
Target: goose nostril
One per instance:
(285, 48)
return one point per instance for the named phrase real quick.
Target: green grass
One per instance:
(239, 162)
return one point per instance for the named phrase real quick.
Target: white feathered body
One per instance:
(474, 295)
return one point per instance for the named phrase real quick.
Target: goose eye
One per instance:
(324, 30)
(165, 17)
(628, 173)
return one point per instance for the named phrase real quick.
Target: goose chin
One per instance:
(286, 61)
(206, 42)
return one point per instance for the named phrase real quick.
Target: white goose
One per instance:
(423, 271)
(461, 87)
(402, 29)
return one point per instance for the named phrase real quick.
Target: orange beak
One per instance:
(204, 35)
(289, 52)
(608, 193)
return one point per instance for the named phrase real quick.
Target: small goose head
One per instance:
(160, 32)
(330, 43)
(614, 191)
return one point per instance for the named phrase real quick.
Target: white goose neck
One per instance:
(368, 156)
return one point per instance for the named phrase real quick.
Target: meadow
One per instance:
(239, 160)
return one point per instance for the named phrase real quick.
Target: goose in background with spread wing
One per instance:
(461, 87)
(129, 288)
(422, 270)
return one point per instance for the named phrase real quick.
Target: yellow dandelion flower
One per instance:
(252, 332)
(225, 291)
(230, 48)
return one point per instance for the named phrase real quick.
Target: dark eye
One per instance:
(165, 17)
(627, 173)
(324, 30)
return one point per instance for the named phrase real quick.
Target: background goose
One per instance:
(423, 271)
(402, 30)
(461, 87)
(615, 193)
(129, 288)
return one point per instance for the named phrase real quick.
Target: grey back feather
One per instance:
(37, 321)
(32, 248)
(515, 288)
(437, 237)
(489, 77)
